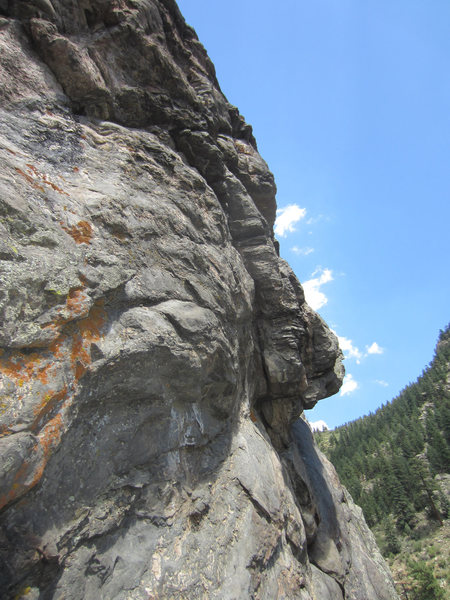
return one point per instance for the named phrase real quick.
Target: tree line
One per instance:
(388, 460)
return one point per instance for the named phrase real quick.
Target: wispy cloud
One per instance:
(381, 382)
(319, 426)
(287, 217)
(302, 251)
(374, 349)
(349, 385)
(314, 296)
(349, 349)
(314, 220)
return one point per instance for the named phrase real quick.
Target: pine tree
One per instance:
(388, 459)
(393, 545)
(428, 488)
(426, 586)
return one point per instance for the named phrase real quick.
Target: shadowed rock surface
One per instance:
(156, 352)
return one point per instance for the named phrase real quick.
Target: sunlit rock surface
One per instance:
(156, 353)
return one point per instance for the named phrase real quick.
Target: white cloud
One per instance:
(349, 350)
(374, 349)
(349, 385)
(381, 382)
(319, 426)
(302, 251)
(313, 220)
(287, 217)
(352, 351)
(314, 297)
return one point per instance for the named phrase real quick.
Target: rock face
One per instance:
(156, 352)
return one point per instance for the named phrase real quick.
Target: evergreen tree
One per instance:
(438, 452)
(393, 545)
(426, 586)
(388, 459)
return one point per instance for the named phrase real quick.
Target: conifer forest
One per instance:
(396, 465)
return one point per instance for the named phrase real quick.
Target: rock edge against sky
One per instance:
(155, 350)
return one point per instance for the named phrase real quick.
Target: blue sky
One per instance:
(350, 106)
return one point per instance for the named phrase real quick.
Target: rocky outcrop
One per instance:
(156, 352)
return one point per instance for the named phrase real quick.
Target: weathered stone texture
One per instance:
(156, 352)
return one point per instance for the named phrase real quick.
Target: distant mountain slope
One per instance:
(396, 465)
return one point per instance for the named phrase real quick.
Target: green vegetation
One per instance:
(396, 465)
(426, 586)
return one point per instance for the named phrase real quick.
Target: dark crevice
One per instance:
(262, 512)
(197, 517)
(299, 554)
(90, 18)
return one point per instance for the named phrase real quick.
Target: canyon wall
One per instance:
(155, 351)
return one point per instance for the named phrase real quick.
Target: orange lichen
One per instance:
(48, 439)
(81, 232)
(18, 486)
(22, 368)
(71, 347)
(89, 331)
(33, 169)
(25, 175)
(44, 178)
(120, 236)
(90, 327)
(50, 435)
(80, 356)
(54, 186)
(77, 303)
(35, 178)
(48, 403)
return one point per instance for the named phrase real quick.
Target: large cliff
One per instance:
(156, 352)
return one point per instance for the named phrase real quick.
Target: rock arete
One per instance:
(156, 353)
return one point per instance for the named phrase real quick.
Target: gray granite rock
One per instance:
(155, 350)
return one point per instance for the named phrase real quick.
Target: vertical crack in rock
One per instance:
(155, 352)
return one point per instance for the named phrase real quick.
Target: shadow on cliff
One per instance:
(318, 505)
(128, 466)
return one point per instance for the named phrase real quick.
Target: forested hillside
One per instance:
(396, 463)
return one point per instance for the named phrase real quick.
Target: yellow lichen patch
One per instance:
(23, 593)
(81, 232)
